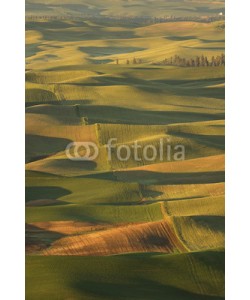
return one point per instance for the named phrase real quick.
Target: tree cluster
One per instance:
(133, 61)
(198, 61)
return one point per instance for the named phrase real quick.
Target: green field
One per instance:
(133, 229)
(150, 276)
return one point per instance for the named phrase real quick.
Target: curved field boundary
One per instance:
(177, 241)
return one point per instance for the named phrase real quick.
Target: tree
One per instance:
(213, 63)
(202, 60)
(197, 61)
(206, 62)
(223, 59)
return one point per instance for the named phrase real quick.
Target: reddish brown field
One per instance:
(146, 237)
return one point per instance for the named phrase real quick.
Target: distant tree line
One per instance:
(198, 61)
(205, 19)
(135, 20)
(133, 61)
(148, 20)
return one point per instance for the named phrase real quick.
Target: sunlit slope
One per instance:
(120, 202)
(145, 237)
(194, 171)
(128, 95)
(80, 59)
(201, 232)
(63, 44)
(112, 202)
(46, 144)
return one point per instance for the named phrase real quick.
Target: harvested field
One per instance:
(70, 227)
(148, 237)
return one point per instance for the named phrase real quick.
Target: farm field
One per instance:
(109, 228)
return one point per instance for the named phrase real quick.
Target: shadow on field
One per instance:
(52, 24)
(60, 32)
(212, 41)
(149, 177)
(32, 104)
(45, 192)
(31, 49)
(139, 288)
(121, 115)
(68, 115)
(39, 95)
(172, 199)
(215, 223)
(112, 204)
(209, 92)
(193, 88)
(106, 51)
(194, 83)
(67, 164)
(212, 258)
(222, 49)
(39, 147)
(159, 85)
(45, 202)
(181, 38)
(37, 239)
(150, 193)
(216, 141)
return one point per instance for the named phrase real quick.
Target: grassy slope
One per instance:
(108, 203)
(63, 44)
(179, 276)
